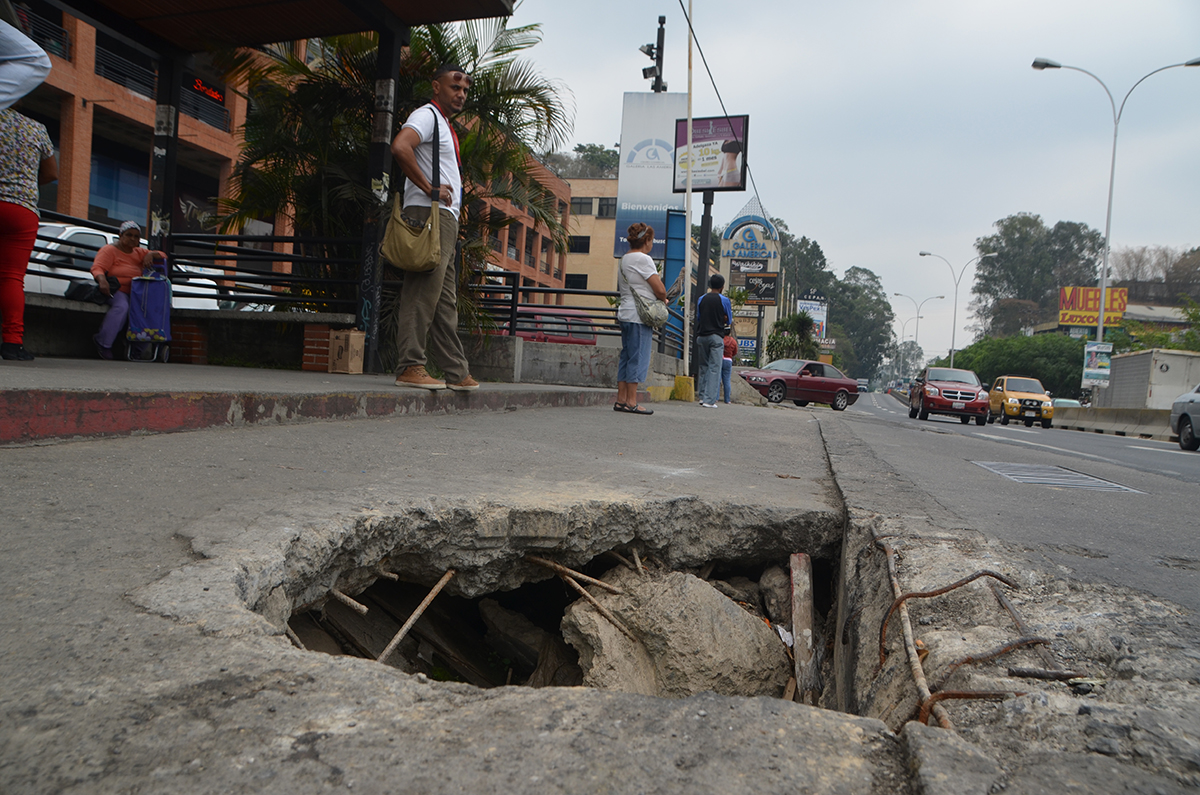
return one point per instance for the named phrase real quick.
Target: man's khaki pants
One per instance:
(428, 308)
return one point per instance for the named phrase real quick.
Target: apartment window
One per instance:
(579, 244)
(608, 208)
(530, 247)
(545, 255)
(582, 205)
(512, 251)
(576, 281)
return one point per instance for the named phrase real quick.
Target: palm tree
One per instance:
(308, 130)
(791, 338)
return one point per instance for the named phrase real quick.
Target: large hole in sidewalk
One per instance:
(685, 628)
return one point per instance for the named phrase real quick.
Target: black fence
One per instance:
(246, 272)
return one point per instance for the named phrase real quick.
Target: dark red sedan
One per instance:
(948, 391)
(803, 382)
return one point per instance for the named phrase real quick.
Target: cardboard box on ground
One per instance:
(346, 351)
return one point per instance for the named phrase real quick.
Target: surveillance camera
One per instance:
(650, 72)
(647, 50)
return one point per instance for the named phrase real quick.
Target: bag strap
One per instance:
(437, 159)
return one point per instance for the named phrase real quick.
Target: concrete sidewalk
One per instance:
(52, 398)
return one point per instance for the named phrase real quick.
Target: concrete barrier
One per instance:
(1139, 423)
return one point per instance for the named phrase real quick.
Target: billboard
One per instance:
(718, 155)
(1097, 361)
(644, 177)
(1080, 306)
(761, 289)
(818, 311)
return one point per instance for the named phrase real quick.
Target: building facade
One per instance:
(99, 107)
(593, 221)
(524, 246)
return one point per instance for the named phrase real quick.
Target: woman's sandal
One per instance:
(619, 406)
(636, 409)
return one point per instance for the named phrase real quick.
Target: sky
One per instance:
(881, 128)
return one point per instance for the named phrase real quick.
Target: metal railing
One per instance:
(52, 38)
(125, 72)
(206, 111)
(239, 272)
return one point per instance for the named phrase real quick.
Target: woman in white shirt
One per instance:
(637, 273)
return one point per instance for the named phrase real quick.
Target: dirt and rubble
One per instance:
(123, 676)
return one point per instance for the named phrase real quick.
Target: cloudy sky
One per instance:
(880, 128)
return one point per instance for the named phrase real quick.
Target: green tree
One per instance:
(1054, 359)
(1032, 261)
(589, 161)
(792, 338)
(858, 305)
(802, 265)
(1136, 336)
(308, 129)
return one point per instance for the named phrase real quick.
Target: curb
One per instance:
(42, 414)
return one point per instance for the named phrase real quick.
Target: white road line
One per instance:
(1047, 446)
(1159, 450)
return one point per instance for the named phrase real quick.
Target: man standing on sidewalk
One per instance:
(712, 317)
(428, 309)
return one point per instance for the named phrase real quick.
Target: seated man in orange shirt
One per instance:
(123, 261)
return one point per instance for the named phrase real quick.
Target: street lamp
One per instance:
(903, 335)
(917, 332)
(1045, 63)
(957, 278)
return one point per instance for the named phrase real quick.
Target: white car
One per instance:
(1185, 413)
(68, 257)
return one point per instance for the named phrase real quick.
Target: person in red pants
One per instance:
(26, 161)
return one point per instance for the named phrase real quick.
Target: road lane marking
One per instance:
(993, 437)
(1159, 450)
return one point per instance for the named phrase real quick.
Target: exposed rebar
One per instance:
(357, 607)
(571, 573)
(931, 703)
(399, 636)
(972, 659)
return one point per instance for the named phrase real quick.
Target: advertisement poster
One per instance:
(818, 311)
(761, 289)
(644, 176)
(718, 156)
(1097, 360)
(1080, 306)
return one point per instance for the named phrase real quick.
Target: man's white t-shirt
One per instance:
(421, 122)
(638, 268)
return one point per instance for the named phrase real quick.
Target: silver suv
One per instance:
(68, 258)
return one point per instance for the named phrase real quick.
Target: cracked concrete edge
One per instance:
(262, 561)
(941, 763)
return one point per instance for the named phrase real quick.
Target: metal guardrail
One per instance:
(125, 72)
(52, 38)
(240, 271)
(208, 112)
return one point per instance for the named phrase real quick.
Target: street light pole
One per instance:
(957, 278)
(917, 332)
(1045, 63)
(903, 336)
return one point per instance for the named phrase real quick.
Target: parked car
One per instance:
(948, 391)
(552, 324)
(1065, 403)
(1022, 398)
(1185, 413)
(803, 382)
(67, 257)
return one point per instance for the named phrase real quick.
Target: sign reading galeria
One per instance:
(644, 177)
(1080, 306)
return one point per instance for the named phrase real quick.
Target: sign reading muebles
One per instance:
(1080, 306)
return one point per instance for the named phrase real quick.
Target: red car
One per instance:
(803, 382)
(955, 393)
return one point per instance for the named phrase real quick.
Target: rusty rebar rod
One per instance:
(638, 562)
(571, 573)
(601, 609)
(399, 636)
(972, 659)
(387, 575)
(294, 638)
(357, 607)
(1048, 658)
(900, 600)
(628, 564)
(1042, 673)
(910, 646)
(931, 703)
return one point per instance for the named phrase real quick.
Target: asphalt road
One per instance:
(1145, 537)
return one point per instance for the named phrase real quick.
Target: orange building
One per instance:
(526, 248)
(99, 106)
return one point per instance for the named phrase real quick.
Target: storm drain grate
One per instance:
(1046, 475)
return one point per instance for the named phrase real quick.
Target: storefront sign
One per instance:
(1080, 306)
(818, 311)
(212, 92)
(761, 289)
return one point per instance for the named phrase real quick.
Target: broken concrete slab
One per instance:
(684, 637)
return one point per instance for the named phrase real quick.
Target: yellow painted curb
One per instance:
(659, 393)
(685, 389)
